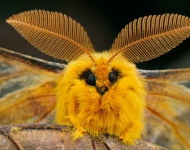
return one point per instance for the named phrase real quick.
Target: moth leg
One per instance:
(78, 133)
(132, 133)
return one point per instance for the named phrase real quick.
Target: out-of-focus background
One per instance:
(103, 20)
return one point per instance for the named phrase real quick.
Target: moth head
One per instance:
(101, 82)
(100, 74)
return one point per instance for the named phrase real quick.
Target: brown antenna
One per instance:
(150, 37)
(53, 33)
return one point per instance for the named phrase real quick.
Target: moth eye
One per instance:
(113, 76)
(91, 79)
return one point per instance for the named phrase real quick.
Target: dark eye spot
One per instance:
(91, 80)
(113, 75)
(89, 77)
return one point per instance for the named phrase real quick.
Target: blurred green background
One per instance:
(103, 20)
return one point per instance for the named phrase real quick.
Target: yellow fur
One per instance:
(120, 111)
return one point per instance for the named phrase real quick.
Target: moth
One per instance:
(102, 93)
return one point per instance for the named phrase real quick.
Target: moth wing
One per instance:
(27, 96)
(168, 108)
(26, 88)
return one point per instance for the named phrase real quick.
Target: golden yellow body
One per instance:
(119, 111)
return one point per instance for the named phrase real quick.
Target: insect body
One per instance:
(102, 97)
(102, 92)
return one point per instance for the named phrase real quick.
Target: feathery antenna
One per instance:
(53, 33)
(150, 37)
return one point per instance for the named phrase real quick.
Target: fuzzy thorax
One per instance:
(118, 111)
